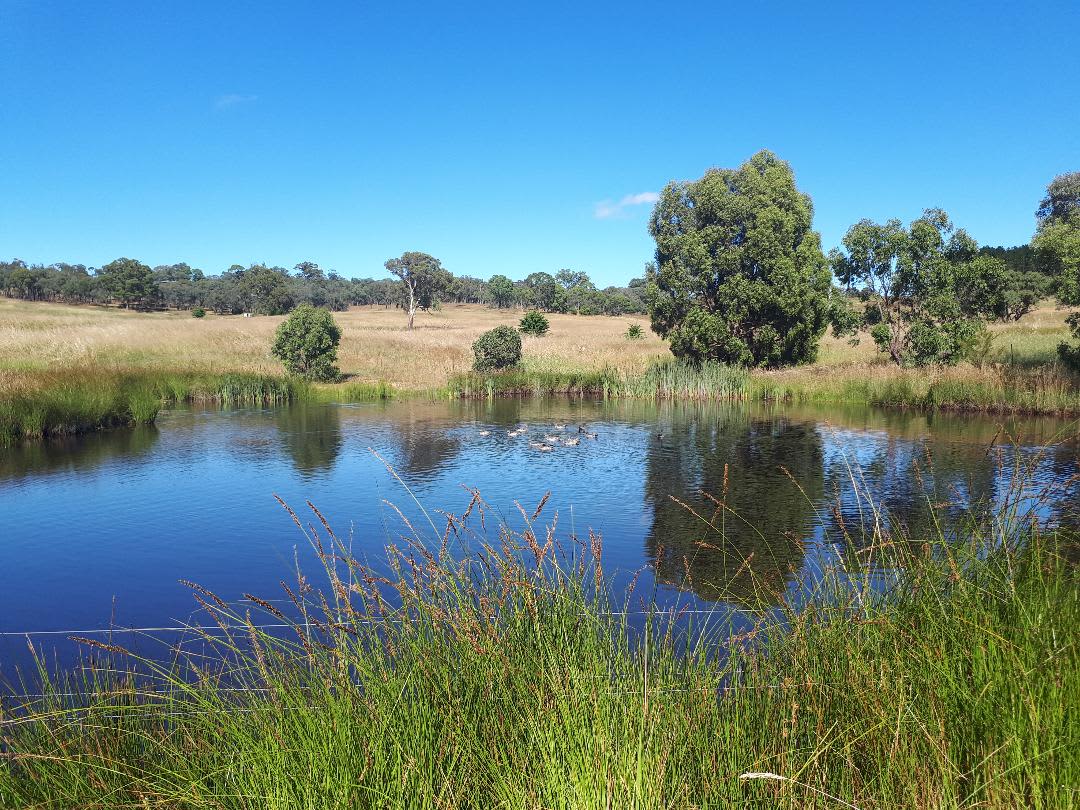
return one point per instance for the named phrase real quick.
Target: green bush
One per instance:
(534, 323)
(306, 343)
(198, 312)
(497, 349)
(635, 332)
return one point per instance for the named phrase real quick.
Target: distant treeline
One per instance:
(260, 289)
(1020, 259)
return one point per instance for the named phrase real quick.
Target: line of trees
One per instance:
(267, 290)
(740, 276)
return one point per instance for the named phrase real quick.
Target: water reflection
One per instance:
(728, 517)
(423, 443)
(98, 529)
(72, 454)
(311, 435)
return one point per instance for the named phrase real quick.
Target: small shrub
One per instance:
(634, 332)
(198, 312)
(980, 350)
(500, 348)
(534, 323)
(306, 343)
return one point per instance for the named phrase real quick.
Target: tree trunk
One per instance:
(412, 307)
(896, 345)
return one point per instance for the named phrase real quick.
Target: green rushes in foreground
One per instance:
(496, 671)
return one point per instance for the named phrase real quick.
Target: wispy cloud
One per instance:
(232, 100)
(607, 209)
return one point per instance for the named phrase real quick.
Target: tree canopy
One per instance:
(130, 283)
(926, 290)
(306, 343)
(739, 274)
(423, 278)
(501, 290)
(1057, 248)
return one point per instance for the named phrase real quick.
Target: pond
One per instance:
(95, 532)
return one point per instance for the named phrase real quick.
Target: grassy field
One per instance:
(509, 677)
(375, 344)
(53, 357)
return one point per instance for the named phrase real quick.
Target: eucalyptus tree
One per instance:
(309, 270)
(926, 291)
(423, 278)
(1057, 249)
(739, 274)
(130, 282)
(501, 291)
(580, 292)
(264, 290)
(544, 292)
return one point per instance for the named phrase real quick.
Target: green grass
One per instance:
(666, 379)
(351, 391)
(1003, 389)
(504, 678)
(75, 402)
(1050, 390)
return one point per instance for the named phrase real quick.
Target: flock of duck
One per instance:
(556, 437)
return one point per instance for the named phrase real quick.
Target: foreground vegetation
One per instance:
(499, 671)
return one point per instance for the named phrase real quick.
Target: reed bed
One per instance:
(662, 379)
(483, 665)
(37, 405)
(1050, 389)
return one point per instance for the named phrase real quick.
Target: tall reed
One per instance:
(664, 379)
(68, 403)
(1050, 389)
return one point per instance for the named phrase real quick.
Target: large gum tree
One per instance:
(1057, 249)
(740, 277)
(925, 290)
(424, 279)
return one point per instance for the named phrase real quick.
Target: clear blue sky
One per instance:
(504, 137)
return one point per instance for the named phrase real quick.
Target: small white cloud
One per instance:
(606, 209)
(233, 99)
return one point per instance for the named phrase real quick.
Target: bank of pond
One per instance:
(34, 405)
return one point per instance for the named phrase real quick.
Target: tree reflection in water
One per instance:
(311, 436)
(742, 543)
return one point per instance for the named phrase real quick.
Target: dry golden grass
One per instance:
(376, 346)
(375, 343)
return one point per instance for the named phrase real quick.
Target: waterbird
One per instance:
(485, 432)
(571, 442)
(551, 439)
(543, 448)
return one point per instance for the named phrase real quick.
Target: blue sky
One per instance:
(509, 137)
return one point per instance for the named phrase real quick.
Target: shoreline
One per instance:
(77, 401)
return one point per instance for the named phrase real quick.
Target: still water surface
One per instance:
(96, 531)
